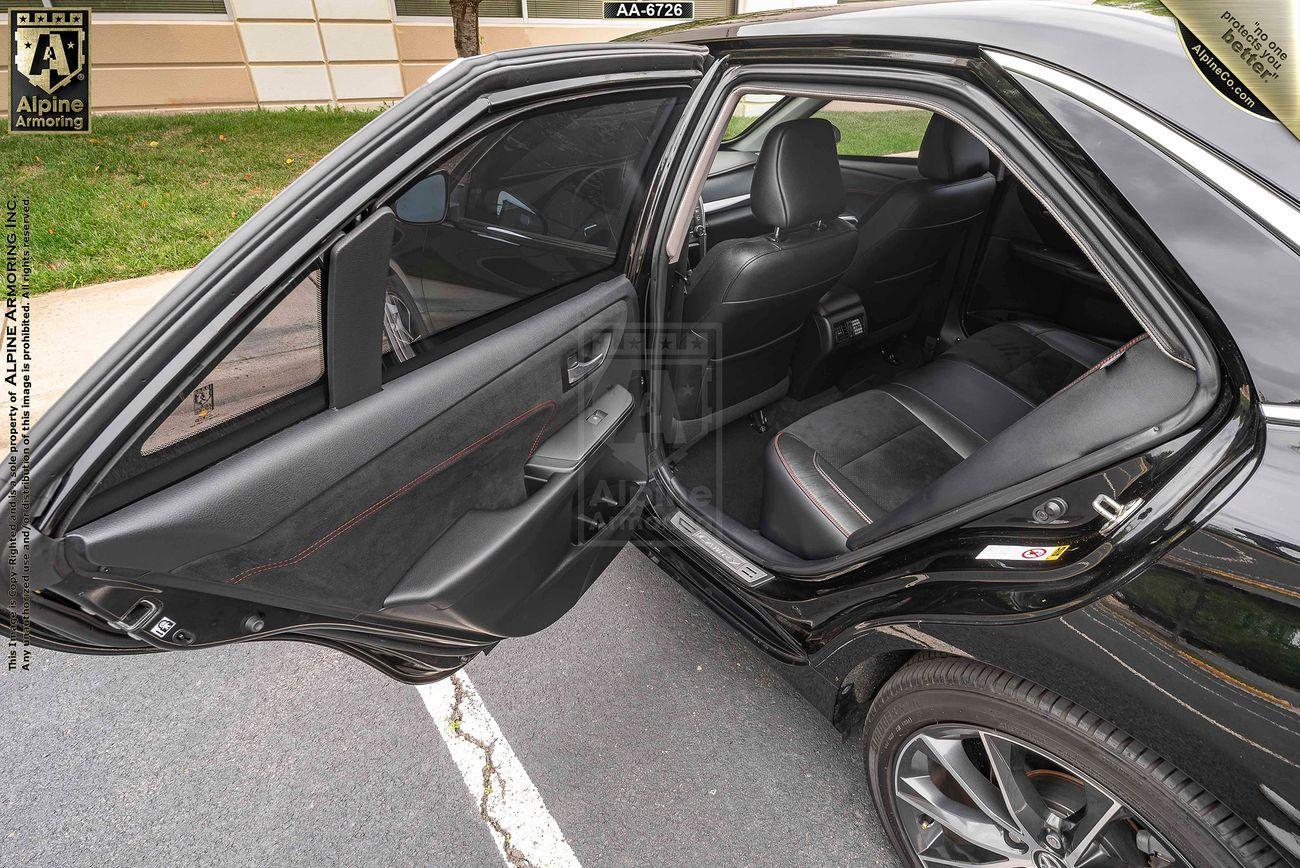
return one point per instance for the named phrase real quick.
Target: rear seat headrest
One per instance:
(949, 153)
(797, 179)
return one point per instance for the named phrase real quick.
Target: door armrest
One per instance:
(571, 445)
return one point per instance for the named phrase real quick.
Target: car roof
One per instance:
(1136, 54)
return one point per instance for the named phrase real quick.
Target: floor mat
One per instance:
(871, 370)
(725, 468)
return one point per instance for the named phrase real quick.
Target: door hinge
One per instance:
(1113, 511)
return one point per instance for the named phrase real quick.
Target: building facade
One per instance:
(187, 55)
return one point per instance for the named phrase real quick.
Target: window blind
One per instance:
(208, 7)
(486, 9)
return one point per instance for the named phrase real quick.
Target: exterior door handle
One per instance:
(578, 369)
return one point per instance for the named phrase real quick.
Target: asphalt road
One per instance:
(654, 734)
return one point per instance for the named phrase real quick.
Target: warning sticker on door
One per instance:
(160, 629)
(1021, 553)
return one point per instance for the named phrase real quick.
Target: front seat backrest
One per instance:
(917, 229)
(749, 297)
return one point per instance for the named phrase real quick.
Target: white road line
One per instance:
(524, 831)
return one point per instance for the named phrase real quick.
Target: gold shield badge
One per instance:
(51, 53)
(1248, 50)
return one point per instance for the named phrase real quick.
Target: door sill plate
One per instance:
(751, 574)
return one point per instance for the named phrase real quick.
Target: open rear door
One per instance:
(399, 411)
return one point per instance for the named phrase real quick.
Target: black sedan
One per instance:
(946, 351)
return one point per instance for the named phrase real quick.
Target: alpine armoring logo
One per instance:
(49, 72)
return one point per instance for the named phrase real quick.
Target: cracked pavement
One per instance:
(655, 735)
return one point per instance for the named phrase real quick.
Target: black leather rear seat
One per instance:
(891, 456)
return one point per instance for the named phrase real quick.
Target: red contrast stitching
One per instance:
(394, 495)
(1106, 361)
(776, 443)
(831, 483)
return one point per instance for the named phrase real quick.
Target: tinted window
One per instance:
(876, 129)
(535, 204)
(282, 354)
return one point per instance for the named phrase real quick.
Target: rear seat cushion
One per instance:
(1135, 387)
(829, 473)
(850, 464)
(1036, 359)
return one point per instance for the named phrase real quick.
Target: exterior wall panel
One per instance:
(280, 42)
(146, 43)
(370, 10)
(272, 8)
(424, 42)
(364, 81)
(124, 88)
(354, 41)
(292, 85)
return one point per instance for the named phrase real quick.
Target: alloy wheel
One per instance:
(968, 796)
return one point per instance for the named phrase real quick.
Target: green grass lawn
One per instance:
(866, 134)
(149, 193)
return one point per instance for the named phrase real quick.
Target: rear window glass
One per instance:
(870, 129)
(749, 109)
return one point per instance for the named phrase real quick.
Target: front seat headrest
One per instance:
(797, 179)
(949, 153)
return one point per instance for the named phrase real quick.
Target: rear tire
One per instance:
(939, 704)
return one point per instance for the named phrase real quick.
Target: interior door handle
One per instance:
(578, 369)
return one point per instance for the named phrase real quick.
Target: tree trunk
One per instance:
(464, 25)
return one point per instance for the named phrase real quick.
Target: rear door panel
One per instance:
(473, 496)
(340, 509)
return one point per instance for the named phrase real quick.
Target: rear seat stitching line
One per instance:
(394, 495)
(776, 443)
(991, 378)
(838, 491)
(1106, 362)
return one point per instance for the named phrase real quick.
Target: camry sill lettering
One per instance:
(747, 572)
(1270, 208)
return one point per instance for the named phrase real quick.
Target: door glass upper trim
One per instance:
(1273, 210)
